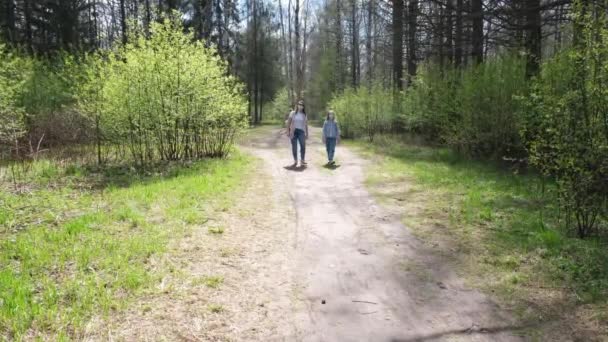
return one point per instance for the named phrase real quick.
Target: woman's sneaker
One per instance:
(303, 162)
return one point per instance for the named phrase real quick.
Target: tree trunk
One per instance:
(477, 35)
(292, 89)
(148, 17)
(355, 44)
(411, 50)
(298, 55)
(368, 42)
(219, 27)
(9, 20)
(254, 62)
(398, 44)
(533, 37)
(339, 55)
(286, 52)
(449, 31)
(27, 9)
(458, 43)
(123, 22)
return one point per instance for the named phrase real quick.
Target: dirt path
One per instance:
(305, 255)
(378, 282)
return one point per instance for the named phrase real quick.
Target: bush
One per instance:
(280, 106)
(48, 98)
(566, 125)
(471, 110)
(13, 75)
(166, 97)
(364, 112)
(429, 103)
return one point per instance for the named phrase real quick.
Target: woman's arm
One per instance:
(289, 122)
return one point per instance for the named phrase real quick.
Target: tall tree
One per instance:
(412, 22)
(398, 44)
(355, 61)
(477, 34)
(533, 37)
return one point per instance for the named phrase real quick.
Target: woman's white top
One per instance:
(299, 121)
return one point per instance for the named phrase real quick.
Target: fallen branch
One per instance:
(363, 301)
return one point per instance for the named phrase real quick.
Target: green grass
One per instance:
(216, 308)
(213, 282)
(216, 230)
(508, 227)
(69, 251)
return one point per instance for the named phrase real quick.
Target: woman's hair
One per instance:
(300, 103)
(330, 112)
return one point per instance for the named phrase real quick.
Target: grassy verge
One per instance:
(76, 242)
(501, 228)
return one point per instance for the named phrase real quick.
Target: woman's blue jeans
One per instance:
(298, 136)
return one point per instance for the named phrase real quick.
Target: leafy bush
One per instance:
(13, 74)
(364, 112)
(472, 110)
(485, 124)
(429, 103)
(49, 97)
(280, 106)
(566, 124)
(166, 97)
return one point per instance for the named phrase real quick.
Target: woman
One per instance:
(297, 125)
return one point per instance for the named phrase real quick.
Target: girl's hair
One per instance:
(303, 107)
(330, 112)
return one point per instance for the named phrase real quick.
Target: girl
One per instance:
(297, 124)
(331, 135)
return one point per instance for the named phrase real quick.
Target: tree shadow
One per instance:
(472, 331)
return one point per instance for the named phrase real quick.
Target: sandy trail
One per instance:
(296, 239)
(378, 282)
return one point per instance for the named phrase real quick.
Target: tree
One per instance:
(398, 44)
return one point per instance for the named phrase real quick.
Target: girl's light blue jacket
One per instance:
(330, 129)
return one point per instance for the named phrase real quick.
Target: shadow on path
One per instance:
(473, 330)
(295, 168)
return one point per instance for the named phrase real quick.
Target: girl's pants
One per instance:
(330, 144)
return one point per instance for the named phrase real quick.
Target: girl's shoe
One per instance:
(331, 162)
(303, 162)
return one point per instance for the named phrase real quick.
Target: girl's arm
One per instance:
(337, 130)
(323, 132)
(306, 123)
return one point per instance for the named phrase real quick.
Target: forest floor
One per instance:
(253, 250)
(320, 254)
(307, 255)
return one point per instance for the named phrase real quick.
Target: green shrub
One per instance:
(166, 97)
(566, 124)
(14, 72)
(485, 125)
(364, 112)
(471, 110)
(280, 107)
(429, 103)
